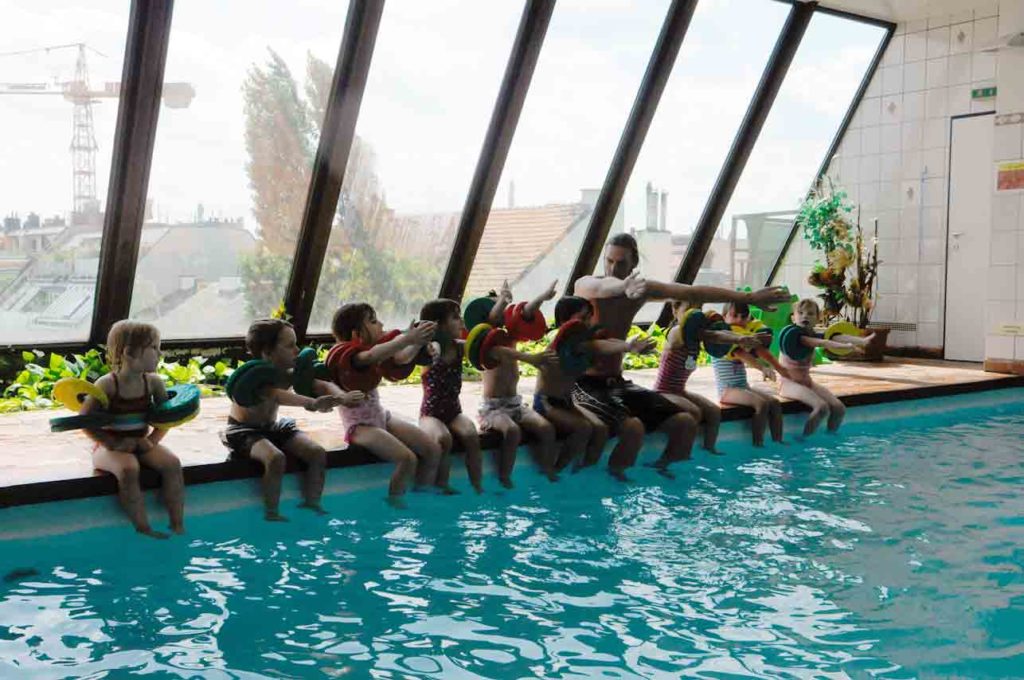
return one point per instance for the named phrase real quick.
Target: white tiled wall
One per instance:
(894, 163)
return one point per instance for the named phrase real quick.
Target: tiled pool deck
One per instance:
(36, 465)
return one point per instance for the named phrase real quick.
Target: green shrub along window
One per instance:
(32, 386)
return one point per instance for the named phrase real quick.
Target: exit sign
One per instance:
(983, 92)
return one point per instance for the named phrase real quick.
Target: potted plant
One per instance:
(847, 275)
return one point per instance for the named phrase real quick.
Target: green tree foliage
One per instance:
(281, 127)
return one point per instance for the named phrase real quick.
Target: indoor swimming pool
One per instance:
(894, 550)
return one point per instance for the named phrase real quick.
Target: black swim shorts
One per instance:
(615, 399)
(240, 437)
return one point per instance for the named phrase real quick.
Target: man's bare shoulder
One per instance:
(586, 286)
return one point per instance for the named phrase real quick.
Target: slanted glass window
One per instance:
(243, 101)
(433, 81)
(826, 71)
(587, 76)
(721, 61)
(60, 64)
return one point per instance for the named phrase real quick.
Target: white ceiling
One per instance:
(904, 10)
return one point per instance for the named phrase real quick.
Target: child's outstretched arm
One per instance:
(496, 316)
(635, 345)
(533, 305)
(808, 341)
(756, 362)
(724, 337)
(286, 397)
(350, 398)
(545, 358)
(417, 335)
(858, 340)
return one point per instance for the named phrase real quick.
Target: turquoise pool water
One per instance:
(893, 550)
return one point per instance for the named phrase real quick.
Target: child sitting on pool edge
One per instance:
(733, 387)
(586, 434)
(132, 386)
(797, 360)
(256, 432)
(502, 409)
(441, 415)
(679, 361)
(359, 358)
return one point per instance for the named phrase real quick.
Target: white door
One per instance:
(967, 256)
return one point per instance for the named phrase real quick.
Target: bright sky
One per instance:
(433, 81)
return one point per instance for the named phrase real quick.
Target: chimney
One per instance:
(662, 216)
(652, 208)
(511, 194)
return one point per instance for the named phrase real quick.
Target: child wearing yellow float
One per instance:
(679, 361)
(731, 380)
(133, 387)
(797, 343)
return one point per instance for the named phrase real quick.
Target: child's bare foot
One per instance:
(479, 488)
(178, 529)
(152, 533)
(505, 482)
(619, 474)
(579, 464)
(661, 467)
(716, 452)
(551, 474)
(397, 502)
(446, 490)
(315, 507)
(274, 516)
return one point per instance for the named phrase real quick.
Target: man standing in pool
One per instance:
(618, 296)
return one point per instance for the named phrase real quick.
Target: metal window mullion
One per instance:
(328, 174)
(840, 133)
(504, 118)
(659, 67)
(743, 144)
(149, 29)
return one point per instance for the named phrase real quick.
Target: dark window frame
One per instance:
(147, 42)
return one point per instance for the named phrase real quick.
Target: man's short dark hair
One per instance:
(263, 334)
(569, 306)
(625, 240)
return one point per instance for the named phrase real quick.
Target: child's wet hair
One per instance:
(263, 335)
(810, 305)
(440, 310)
(350, 318)
(569, 306)
(740, 309)
(127, 336)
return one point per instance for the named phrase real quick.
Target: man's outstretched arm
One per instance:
(661, 290)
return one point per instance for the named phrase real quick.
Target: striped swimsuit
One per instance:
(672, 371)
(729, 374)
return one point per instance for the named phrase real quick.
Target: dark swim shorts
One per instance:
(615, 399)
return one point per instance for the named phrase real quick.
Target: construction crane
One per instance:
(83, 134)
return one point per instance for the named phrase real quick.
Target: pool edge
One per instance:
(104, 485)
